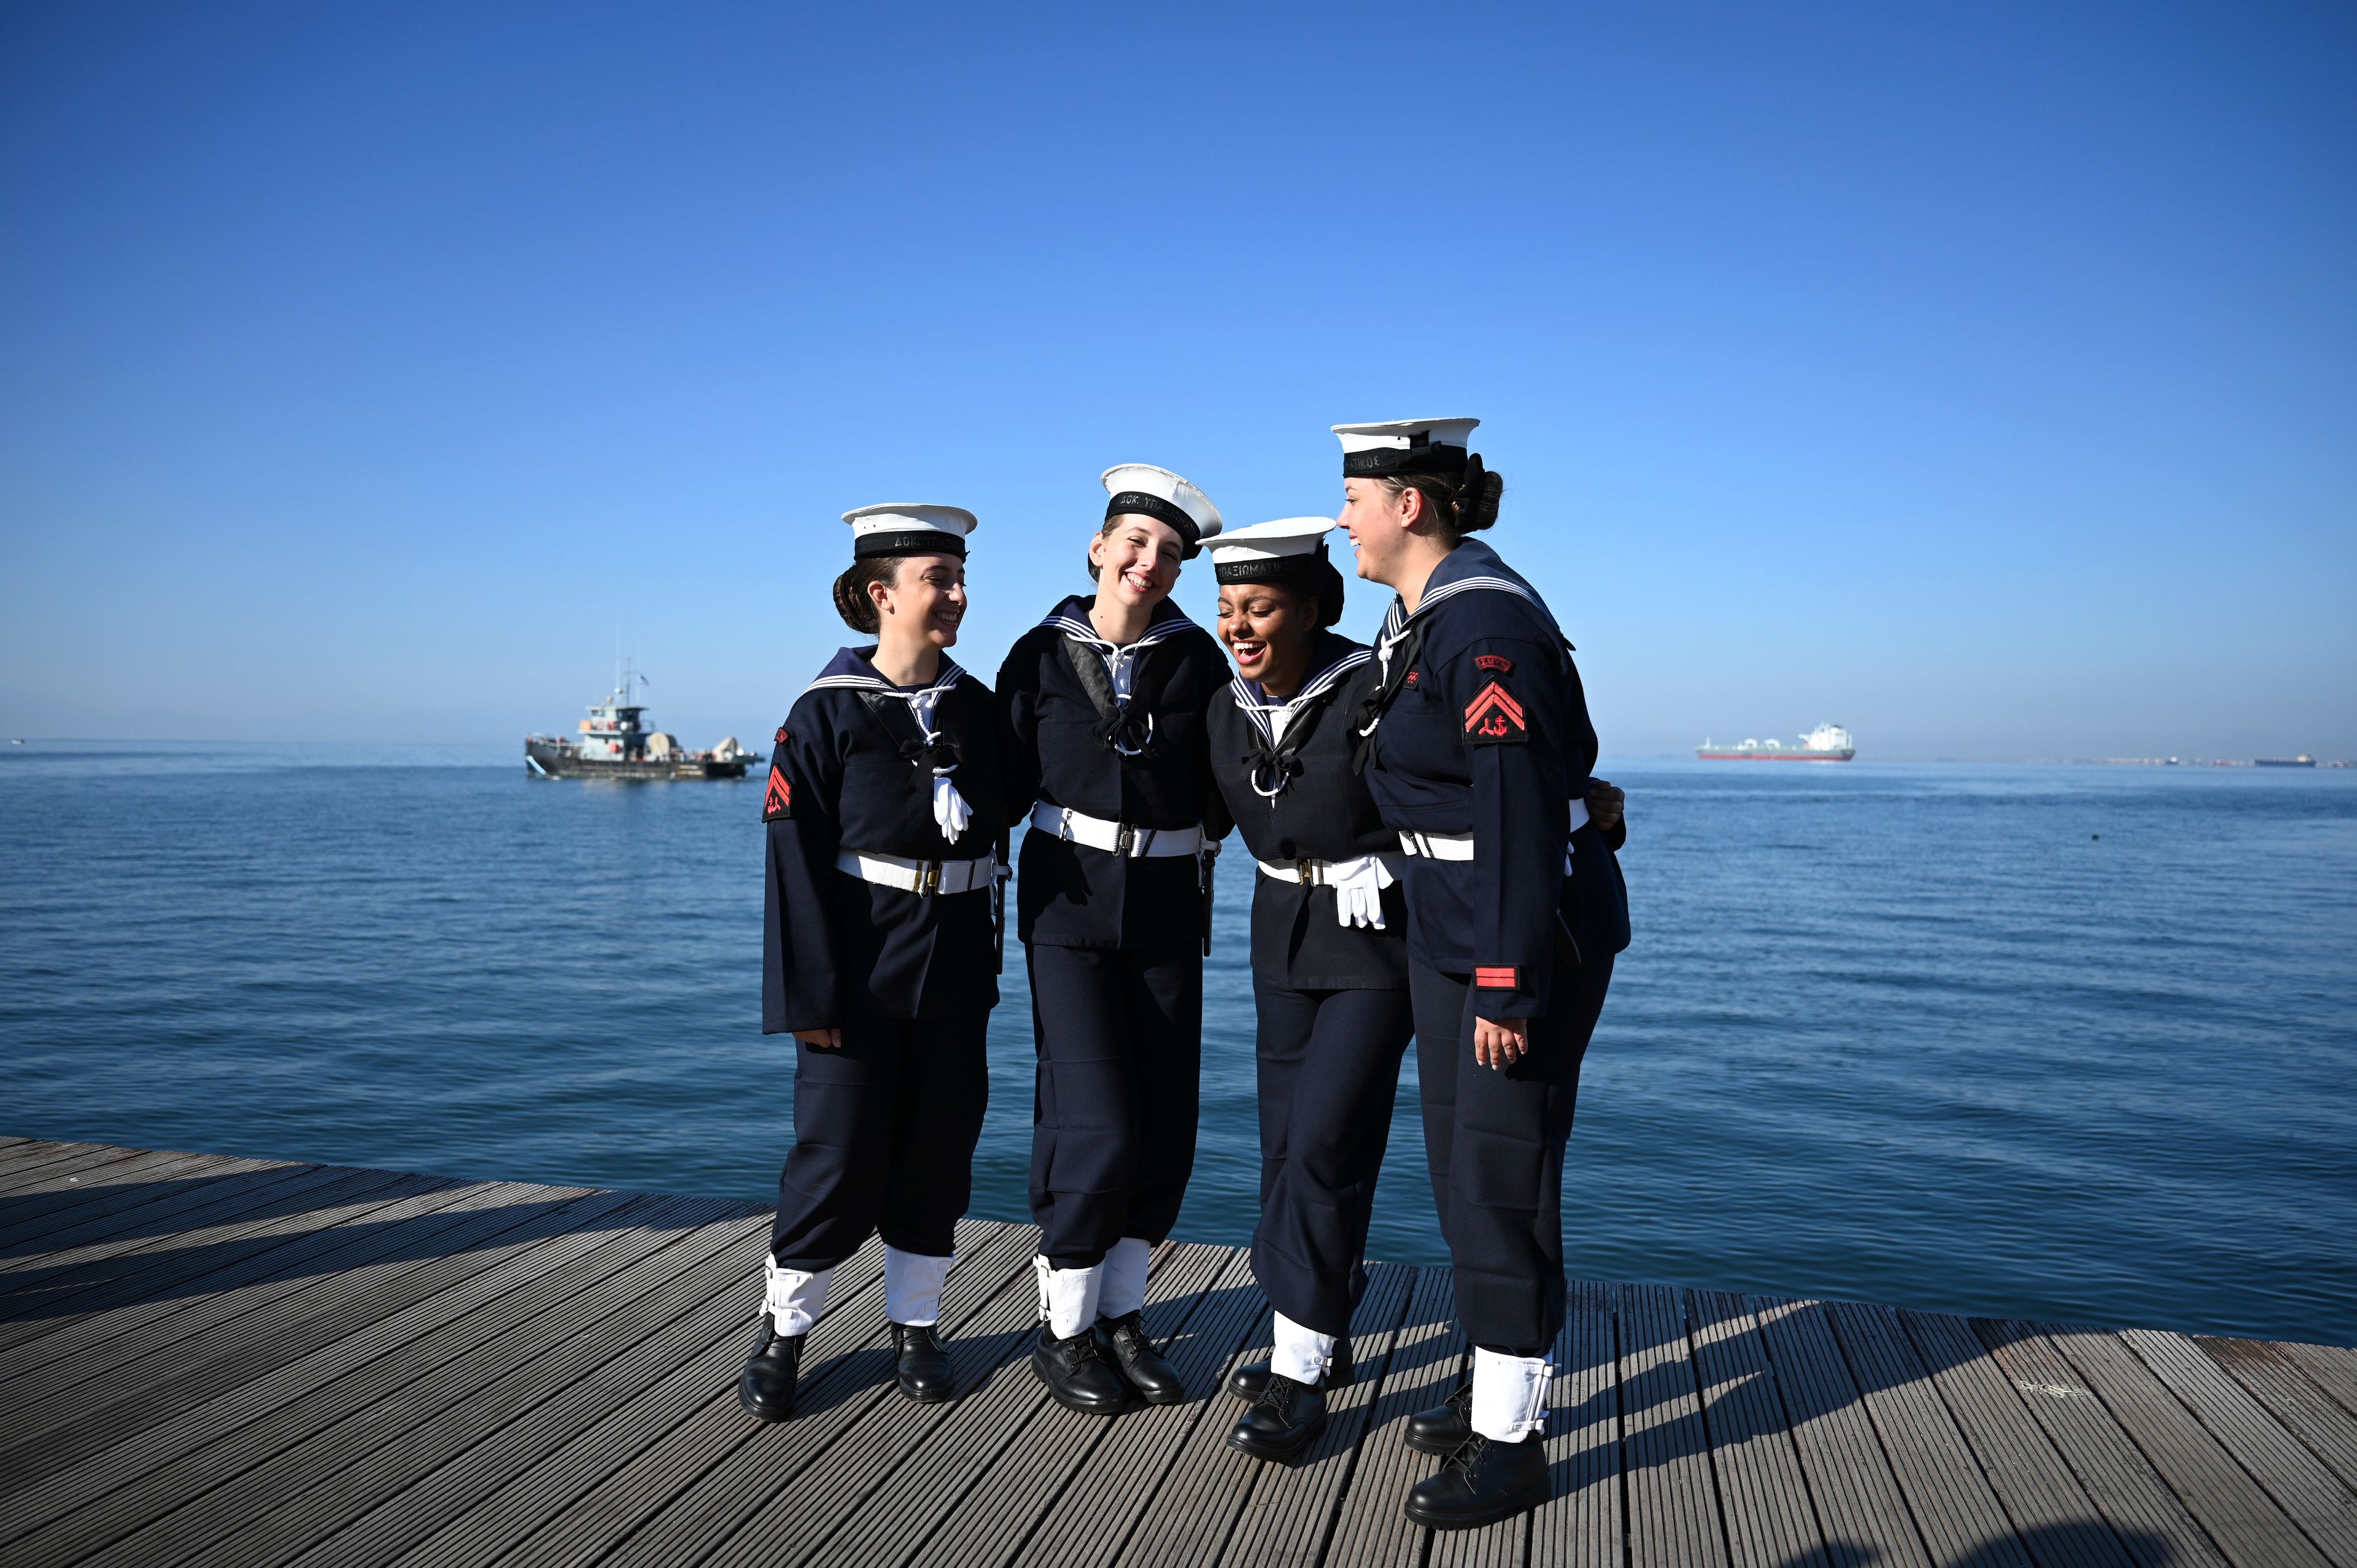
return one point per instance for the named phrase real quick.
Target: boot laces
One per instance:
(1278, 1394)
(1467, 1456)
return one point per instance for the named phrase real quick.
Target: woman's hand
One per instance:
(1502, 1043)
(820, 1039)
(1606, 802)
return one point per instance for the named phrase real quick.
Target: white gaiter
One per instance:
(1068, 1297)
(912, 1286)
(791, 1297)
(1510, 1395)
(1125, 1264)
(1302, 1354)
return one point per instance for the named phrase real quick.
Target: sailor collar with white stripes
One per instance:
(850, 669)
(1072, 618)
(1248, 693)
(1471, 568)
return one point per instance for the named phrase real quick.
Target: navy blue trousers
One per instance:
(1330, 1064)
(1120, 1036)
(884, 1133)
(1495, 1140)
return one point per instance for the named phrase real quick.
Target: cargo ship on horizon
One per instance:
(1826, 743)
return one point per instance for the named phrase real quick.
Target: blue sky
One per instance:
(1978, 377)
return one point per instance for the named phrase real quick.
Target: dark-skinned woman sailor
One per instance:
(1103, 703)
(1329, 958)
(1481, 755)
(885, 806)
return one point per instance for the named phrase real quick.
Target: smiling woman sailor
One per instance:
(1480, 753)
(1103, 706)
(885, 810)
(1329, 953)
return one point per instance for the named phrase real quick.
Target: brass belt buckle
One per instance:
(1123, 840)
(928, 879)
(1308, 871)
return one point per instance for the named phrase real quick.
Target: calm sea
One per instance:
(2052, 1041)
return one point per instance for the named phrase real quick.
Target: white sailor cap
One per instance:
(1401, 446)
(904, 528)
(1163, 495)
(1289, 549)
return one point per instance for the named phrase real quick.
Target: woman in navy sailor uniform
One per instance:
(1481, 755)
(1329, 953)
(1103, 703)
(885, 807)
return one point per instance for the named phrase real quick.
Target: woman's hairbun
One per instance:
(852, 600)
(1477, 496)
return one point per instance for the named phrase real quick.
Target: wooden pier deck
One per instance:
(208, 1360)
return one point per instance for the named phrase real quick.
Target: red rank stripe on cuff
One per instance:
(1497, 977)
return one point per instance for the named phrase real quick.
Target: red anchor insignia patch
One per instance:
(1494, 718)
(779, 804)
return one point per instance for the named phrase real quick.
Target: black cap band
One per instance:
(907, 541)
(1157, 509)
(1398, 462)
(1300, 572)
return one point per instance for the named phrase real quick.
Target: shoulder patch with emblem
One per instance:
(1494, 718)
(778, 805)
(781, 737)
(1497, 661)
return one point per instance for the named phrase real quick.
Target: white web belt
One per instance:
(1459, 846)
(926, 877)
(1310, 873)
(1117, 838)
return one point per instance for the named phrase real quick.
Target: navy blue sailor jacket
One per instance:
(1146, 765)
(853, 770)
(1477, 724)
(1294, 795)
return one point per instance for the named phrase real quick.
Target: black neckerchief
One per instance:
(1119, 727)
(938, 755)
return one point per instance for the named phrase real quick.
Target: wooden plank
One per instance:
(1195, 1499)
(1954, 1507)
(1675, 1518)
(2235, 1510)
(478, 1365)
(32, 1167)
(2306, 1410)
(2059, 1525)
(504, 1245)
(2152, 1525)
(1092, 1478)
(1426, 1363)
(140, 1259)
(77, 1417)
(790, 1480)
(1769, 1518)
(569, 1449)
(2302, 1488)
(2329, 1367)
(972, 1492)
(1292, 1507)
(233, 1188)
(1582, 1521)
(64, 1231)
(1860, 1504)
(106, 1180)
(220, 1307)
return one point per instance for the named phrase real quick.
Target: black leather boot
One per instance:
(1481, 1483)
(1443, 1429)
(1077, 1375)
(1283, 1420)
(1246, 1383)
(1141, 1365)
(766, 1387)
(923, 1366)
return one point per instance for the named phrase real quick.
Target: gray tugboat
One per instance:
(614, 742)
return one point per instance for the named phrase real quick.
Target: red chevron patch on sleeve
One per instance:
(1494, 718)
(1497, 977)
(779, 804)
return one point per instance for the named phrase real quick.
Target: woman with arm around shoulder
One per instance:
(883, 813)
(1480, 754)
(1328, 958)
(1103, 705)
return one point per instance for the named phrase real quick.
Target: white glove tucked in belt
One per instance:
(1359, 890)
